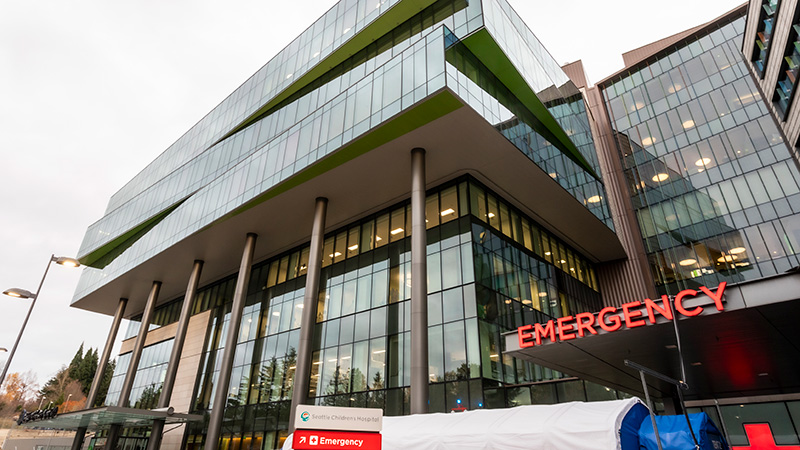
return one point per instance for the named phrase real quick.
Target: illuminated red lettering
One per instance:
(717, 297)
(630, 315)
(665, 311)
(547, 330)
(565, 330)
(679, 303)
(585, 325)
(523, 336)
(616, 322)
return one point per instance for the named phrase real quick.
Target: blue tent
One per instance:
(675, 434)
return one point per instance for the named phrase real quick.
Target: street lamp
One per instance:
(41, 401)
(22, 293)
(66, 404)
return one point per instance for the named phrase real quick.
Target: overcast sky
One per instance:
(93, 90)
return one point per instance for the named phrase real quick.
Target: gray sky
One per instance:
(93, 90)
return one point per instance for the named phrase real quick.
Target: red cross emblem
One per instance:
(760, 437)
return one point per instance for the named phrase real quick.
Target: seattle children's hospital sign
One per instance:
(629, 315)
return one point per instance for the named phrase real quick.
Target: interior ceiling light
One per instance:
(688, 262)
(688, 124)
(737, 250)
(491, 215)
(659, 177)
(396, 231)
(353, 247)
(648, 141)
(727, 258)
(674, 88)
(447, 212)
(593, 199)
(702, 162)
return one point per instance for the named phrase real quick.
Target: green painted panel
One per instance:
(382, 25)
(103, 256)
(485, 48)
(436, 106)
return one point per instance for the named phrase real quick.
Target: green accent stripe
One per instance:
(483, 46)
(434, 107)
(379, 27)
(102, 256)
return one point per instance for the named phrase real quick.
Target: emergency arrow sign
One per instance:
(335, 440)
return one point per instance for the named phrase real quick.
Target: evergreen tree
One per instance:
(76, 362)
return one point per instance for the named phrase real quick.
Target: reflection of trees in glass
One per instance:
(276, 379)
(149, 397)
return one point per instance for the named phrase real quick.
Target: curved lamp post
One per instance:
(22, 293)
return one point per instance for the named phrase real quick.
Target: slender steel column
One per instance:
(101, 365)
(223, 382)
(180, 334)
(136, 355)
(138, 345)
(302, 372)
(80, 433)
(177, 348)
(419, 286)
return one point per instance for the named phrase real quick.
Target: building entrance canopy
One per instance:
(749, 348)
(102, 418)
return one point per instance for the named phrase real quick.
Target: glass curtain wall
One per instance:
(490, 269)
(712, 182)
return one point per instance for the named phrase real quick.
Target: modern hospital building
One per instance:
(382, 214)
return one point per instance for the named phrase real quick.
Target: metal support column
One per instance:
(302, 372)
(177, 349)
(80, 433)
(419, 286)
(136, 355)
(138, 345)
(226, 367)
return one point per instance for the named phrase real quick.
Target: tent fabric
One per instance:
(575, 426)
(629, 431)
(675, 434)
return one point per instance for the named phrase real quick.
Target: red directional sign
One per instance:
(335, 440)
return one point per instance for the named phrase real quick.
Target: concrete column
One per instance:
(175, 357)
(136, 355)
(80, 433)
(226, 367)
(419, 286)
(302, 372)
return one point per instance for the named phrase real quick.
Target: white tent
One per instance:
(565, 426)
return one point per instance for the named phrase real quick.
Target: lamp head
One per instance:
(19, 293)
(66, 261)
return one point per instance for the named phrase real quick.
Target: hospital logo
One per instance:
(305, 416)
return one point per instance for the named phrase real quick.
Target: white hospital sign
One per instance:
(310, 417)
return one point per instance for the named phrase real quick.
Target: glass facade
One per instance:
(713, 185)
(490, 269)
(149, 376)
(219, 166)
(782, 417)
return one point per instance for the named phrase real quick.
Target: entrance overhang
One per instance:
(97, 419)
(750, 348)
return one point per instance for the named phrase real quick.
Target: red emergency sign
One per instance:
(634, 314)
(335, 440)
